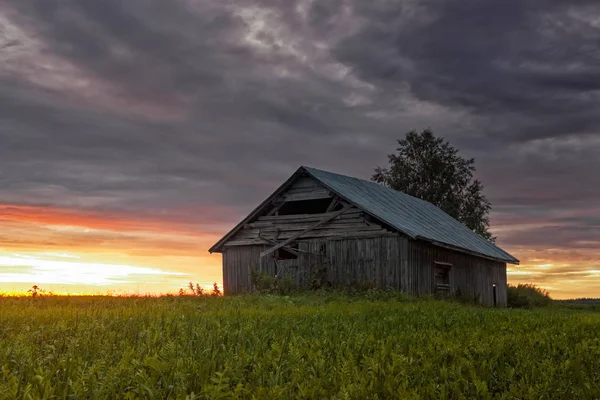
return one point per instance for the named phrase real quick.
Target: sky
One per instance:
(134, 134)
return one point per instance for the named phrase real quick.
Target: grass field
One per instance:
(319, 346)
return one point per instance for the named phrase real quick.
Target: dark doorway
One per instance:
(495, 295)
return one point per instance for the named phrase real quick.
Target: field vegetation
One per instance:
(322, 345)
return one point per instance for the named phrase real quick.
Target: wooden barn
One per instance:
(321, 228)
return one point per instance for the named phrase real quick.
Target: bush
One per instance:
(269, 284)
(465, 298)
(527, 296)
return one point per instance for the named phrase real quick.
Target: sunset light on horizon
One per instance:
(134, 135)
(70, 251)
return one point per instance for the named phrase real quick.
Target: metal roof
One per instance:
(412, 216)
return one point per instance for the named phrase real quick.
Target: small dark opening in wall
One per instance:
(323, 249)
(495, 295)
(283, 254)
(317, 206)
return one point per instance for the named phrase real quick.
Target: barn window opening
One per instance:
(284, 254)
(442, 278)
(314, 206)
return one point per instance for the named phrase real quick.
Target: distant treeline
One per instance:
(588, 304)
(584, 300)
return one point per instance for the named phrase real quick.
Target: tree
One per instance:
(429, 168)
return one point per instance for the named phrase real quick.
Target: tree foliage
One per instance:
(428, 167)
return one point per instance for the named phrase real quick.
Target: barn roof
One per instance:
(413, 217)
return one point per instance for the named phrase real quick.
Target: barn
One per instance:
(321, 228)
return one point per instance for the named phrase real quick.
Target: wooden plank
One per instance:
(226, 285)
(441, 263)
(272, 234)
(333, 233)
(405, 267)
(312, 195)
(287, 226)
(234, 272)
(245, 242)
(260, 224)
(395, 262)
(330, 227)
(273, 241)
(308, 217)
(277, 224)
(332, 205)
(340, 223)
(305, 181)
(299, 234)
(313, 235)
(305, 189)
(277, 204)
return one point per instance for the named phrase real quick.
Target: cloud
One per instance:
(189, 108)
(511, 62)
(42, 229)
(44, 271)
(179, 221)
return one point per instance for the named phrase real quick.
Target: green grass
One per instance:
(328, 346)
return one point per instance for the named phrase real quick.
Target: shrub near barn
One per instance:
(527, 296)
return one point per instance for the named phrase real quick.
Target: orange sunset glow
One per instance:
(71, 251)
(134, 134)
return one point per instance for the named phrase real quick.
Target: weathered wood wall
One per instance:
(386, 260)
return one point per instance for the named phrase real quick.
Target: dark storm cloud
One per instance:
(576, 233)
(156, 105)
(533, 63)
(135, 41)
